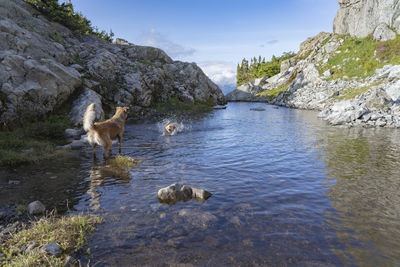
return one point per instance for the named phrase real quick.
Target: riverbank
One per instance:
(351, 81)
(50, 240)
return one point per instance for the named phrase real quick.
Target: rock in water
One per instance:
(200, 193)
(36, 208)
(178, 192)
(175, 193)
(53, 249)
(71, 262)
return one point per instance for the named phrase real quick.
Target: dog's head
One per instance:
(123, 112)
(170, 127)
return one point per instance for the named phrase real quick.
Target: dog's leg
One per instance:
(94, 150)
(119, 143)
(107, 147)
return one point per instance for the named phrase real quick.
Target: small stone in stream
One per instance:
(257, 109)
(36, 208)
(53, 249)
(70, 262)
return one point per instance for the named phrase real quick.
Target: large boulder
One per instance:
(360, 17)
(82, 102)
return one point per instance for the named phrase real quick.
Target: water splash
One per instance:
(180, 127)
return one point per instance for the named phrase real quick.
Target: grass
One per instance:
(271, 94)
(70, 232)
(123, 161)
(34, 142)
(351, 93)
(174, 105)
(356, 57)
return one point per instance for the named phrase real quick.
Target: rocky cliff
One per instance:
(363, 17)
(44, 65)
(352, 81)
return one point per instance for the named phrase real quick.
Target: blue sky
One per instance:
(216, 34)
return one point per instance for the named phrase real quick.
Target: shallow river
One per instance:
(287, 190)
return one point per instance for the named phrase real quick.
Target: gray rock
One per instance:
(82, 102)
(36, 208)
(32, 246)
(360, 17)
(178, 192)
(175, 193)
(219, 107)
(200, 193)
(258, 109)
(383, 33)
(73, 133)
(77, 144)
(52, 249)
(70, 262)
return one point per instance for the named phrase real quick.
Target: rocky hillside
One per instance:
(361, 18)
(44, 66)
(351, 80)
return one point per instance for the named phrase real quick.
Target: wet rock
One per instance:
(175, 193)
(178, 192)
(219, 107)
(53, 249)
(257, 109)
(200, 193)
(77, 144)
(70, 262)
(73, 133)
(36, 208)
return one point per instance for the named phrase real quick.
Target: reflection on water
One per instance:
(104, 174)
(287, 190)
(366, 166)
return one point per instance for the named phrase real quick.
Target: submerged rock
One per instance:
(36, 208)
(178, 192)
(71, 262)
(257, 109)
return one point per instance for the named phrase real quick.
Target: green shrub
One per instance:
(64, 14)
(34, 142)
(260, 68)
(174, 105)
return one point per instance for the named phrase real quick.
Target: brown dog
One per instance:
(102, 133)
(170, 127)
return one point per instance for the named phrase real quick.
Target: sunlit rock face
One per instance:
(44, 65)
(361, 17)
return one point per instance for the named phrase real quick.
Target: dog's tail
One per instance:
(88, 118)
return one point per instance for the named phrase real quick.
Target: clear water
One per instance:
(287, 190)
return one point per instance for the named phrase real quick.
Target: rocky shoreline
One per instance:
(352, 76)
(46, 67)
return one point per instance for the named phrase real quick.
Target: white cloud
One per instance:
(223, 73)
(153, 38)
